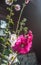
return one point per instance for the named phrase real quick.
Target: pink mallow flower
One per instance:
(24, 43)
(27, 1)
(17, 7)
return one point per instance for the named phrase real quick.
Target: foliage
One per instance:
(4, 41)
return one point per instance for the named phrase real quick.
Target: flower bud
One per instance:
(9, 2)
(27, 1)
(17, 7)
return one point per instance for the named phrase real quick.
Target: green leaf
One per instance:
(25, 29)
(6, 52)
(3, 64)
(22, 24)
(8, 17)
(24, 20)
(8, 8)
(2, 40)
(7, 43)
(5, 57)
(11, 21)
(4, 61)
(12, 13)
(6, 31)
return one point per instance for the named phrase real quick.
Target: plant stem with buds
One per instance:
(20, 17)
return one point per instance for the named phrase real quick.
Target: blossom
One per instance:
(13, 58)
(12, 39)
(9, 2)
(27, 1)
(29, 39)
(23, 44)
(17, 7)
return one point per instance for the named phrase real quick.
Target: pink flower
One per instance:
(17, 7)
(23, 43)
(29, 39)
(27, 1)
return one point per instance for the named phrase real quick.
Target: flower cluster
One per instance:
(23, 43)
(19, 44)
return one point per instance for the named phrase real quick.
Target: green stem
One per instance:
(3, 45)
(20, 30)
(20, 17)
